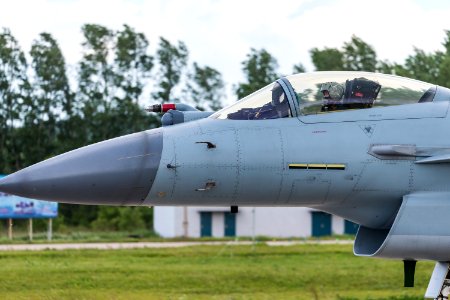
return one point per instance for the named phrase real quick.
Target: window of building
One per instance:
(350, 227)
(229, 224)
(321, 224)
(205, 223)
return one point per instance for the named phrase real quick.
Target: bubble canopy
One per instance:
(330, 92)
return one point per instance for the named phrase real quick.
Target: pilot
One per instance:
(277, 108)
(360, 93)
(332, 96)
(279, 101)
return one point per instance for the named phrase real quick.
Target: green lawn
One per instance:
(77, 235)
(206, 272)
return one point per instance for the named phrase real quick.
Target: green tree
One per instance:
(328, 59)
(356, 55)
(298, 68)
(387, 67)
(120, 218)
(51, 101)
(172, 61)
(132, 68)
(359, 56)
(133, 64)
(108, 218)
(205, 87)
(444, 62)
(15, 101)
(260, 69)
(429, 67)
(423, 66)
(78, 215)
(131, 218)
(96, 81)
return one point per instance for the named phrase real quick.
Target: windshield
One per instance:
(269, 102)
(324, 92)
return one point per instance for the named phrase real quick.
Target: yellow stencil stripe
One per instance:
(318, 166)
(335, 166)
(321, 166)
(299, 165)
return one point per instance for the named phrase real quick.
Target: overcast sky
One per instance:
(219, 33)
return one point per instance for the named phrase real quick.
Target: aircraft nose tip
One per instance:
(119, 171)
(9, 184)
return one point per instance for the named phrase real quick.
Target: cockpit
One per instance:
(331, 92)
(270, 102)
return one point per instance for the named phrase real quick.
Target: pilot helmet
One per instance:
(278, 96)
(332, 91)
(362, 88)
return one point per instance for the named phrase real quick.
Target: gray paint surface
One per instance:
(119, 171)
(421, 230)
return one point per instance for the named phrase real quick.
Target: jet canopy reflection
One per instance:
(327, 92)
(269, 102)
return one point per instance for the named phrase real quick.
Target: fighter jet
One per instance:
(371, 148)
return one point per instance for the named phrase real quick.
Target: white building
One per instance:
(249, 221)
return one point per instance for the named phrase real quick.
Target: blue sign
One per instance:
(15, 207)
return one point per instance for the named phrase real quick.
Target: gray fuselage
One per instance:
(250, 165)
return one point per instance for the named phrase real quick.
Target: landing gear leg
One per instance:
(409, 267)
(439, 286)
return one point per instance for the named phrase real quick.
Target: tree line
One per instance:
(48, 107)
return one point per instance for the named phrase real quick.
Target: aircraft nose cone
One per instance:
(119, 171)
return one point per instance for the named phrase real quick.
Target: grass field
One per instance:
(77, 235)
(206, 272)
